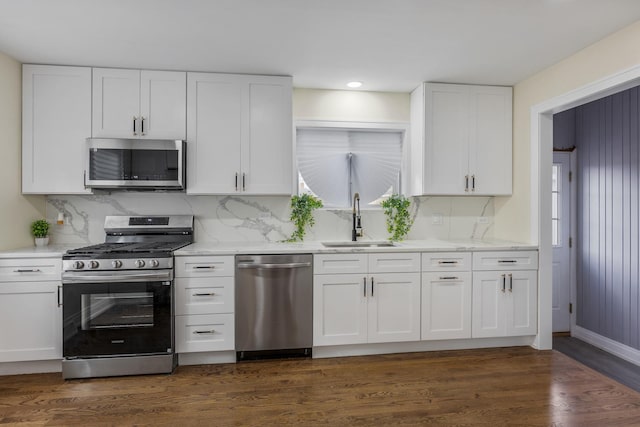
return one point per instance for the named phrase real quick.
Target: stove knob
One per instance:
(94, 264)
(77, 265)
(139, 263)
(116, 263)
(154, 263)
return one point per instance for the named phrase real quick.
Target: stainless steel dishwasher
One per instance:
(274, 306)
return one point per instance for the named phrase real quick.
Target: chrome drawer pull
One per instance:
(212, 331)
(507, 261)
(447, 262)
(203, 267)
(449, 278)
(210, 294)
(29, 270)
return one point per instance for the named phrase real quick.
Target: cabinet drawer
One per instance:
(204, 266)
(30, 269)
(507, 260)
(205, 332)
(204, 295)
(340, 263)
(397, 262)
(446, 261)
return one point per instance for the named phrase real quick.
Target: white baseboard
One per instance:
(416, 346)
(625, 352)
(30, 367)
(206, 358)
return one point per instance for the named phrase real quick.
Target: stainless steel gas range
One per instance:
(118, 298)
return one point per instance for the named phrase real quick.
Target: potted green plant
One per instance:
(302, 207)
(399, 222)
(40, 231)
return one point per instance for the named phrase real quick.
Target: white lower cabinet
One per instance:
(446, 305)
(372, 304)
(204, 304)
(505, 303)
(30, 309)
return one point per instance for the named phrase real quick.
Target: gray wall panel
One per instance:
(607, 135)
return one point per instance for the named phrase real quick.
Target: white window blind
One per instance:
(335, 163)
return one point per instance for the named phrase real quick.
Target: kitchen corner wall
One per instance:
(253, 218)
(16, 211)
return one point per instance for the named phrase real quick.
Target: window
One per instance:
(334, 163)
(555, 196)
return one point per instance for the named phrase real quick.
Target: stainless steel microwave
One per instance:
(143, 164)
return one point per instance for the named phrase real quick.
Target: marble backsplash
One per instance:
(263, 218)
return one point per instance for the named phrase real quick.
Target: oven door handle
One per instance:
(113, 278)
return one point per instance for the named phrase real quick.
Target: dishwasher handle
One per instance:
(281, 265)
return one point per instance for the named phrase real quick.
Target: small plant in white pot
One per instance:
(40, 231)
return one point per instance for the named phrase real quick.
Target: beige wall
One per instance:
(350, 105)
(615, 53)
(16, 211)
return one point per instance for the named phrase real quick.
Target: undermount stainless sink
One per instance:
(361, 244)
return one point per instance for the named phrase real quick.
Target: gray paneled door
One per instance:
(561, 235)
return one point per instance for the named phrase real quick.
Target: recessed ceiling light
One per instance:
(354, 84)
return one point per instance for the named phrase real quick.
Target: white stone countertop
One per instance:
(49, 251)
(233, 248)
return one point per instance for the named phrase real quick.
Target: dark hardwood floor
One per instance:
(510, 386)
(606, 363)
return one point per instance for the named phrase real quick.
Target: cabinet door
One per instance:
(522, 292)
(489, 300)
(116, 103)
(163, 104)
(31, 318)
(394, 307)
(205, 332)
(204, 295)
(446, 138)
(446, 306)
(339, 309)
(490, 140)
(267, 148)
(56, 120)
(214, 131)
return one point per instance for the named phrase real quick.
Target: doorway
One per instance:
(562, 220)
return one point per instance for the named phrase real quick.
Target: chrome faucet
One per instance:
(356, 231)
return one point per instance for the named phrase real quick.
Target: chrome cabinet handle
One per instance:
(283, 265)
(466, 183)
(473, 183)
(84, 178)
(134, 125)
(510, 282)
(204, 294)
(449, 278)
(203, 267)
(212, 331)
(507, 261)
(243, 181)
(504, 282)
(236, 181)
(372, 286)
(142, 119)
(364, 286)
(28, 270)
(447, 262)
(59, 296)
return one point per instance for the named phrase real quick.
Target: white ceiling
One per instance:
(391, 45)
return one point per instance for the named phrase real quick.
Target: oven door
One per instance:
(117, 318)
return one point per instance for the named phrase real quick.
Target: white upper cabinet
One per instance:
(461, 140)
(139, 104)
(240, 134)
(56, 120)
